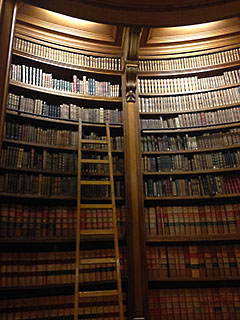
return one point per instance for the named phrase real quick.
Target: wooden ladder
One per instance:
(111, 205)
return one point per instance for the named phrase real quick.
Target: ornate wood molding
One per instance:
(131, 79)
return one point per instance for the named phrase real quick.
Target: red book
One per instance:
(38, 221)
(226, 260)
(45, 217)
(202, 266)
(32, 221)
(64, 221)
(160, 222)
(166, 229)
(191, 220)
(4, 217)
(172, 230)
(208, 261)
(171, 261)
(230, 218)
(194, 261)
(25, 223)
(232, 261)
(224, 219)
(187, 226)
(236, 213)
(202, 220)
(146, 220)
(224, 303)
(51, 226)
(58, 229)
(11, 220)
(163, 261)
(196, 219)
(217, 304)
(219, 219)
(19, 220)
(152, 221)
(209, 219)
(176, 222)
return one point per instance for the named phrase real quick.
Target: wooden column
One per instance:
(8, 10)
(137, 276)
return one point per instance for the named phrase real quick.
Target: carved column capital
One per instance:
(131, 79)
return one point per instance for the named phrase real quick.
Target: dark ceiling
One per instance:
(161, 13)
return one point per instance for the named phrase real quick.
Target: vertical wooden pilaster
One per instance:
(137, 285)
(8, 11)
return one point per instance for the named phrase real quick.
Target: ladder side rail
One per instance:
(77, 262)
(118, 271)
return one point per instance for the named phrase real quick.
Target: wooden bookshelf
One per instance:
(63, 94)
(69, 66)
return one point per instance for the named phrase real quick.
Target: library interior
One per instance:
(120, 160)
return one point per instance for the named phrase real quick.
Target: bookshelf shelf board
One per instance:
(40, 145)
(54, 172)
(217, 196)
(190, 111)
(188, 71)
(64, 94)
(193, 238)
(44, 197)
(188, 92)
(62, 239)
(187, 279)
(44, 171)
(66, 65)
(193, 172)
(233, 146)
(36, 196)
(193, 129)
(23, 114)
(102, 150)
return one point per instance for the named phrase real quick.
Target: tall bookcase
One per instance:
(51, 87)
(189, 115)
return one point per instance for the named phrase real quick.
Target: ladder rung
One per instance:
(96, 206)
(94, 141)
(95, 182)
(97, 260)
(96, 232)
(94, 161)
(102, 293)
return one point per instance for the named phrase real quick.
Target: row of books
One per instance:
(190, 142)
(38, 159)
(36, 134)
(187, 84)
(53, 186)
(201, 261)
(192, 220)
(197, 119)
(117, 142)
(43, 51)
(37, 77)
(197, 101)
(194, 62)
(38, 184)
(63, 111)
(61, 162)
(192, 162)
(60, 307)
(194, 303)
(206, 185)
(18, 220)
(21, 269)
